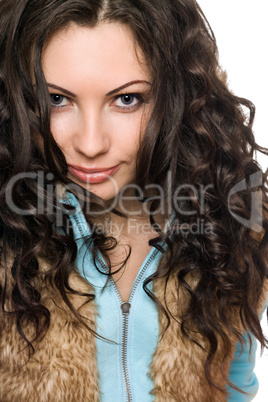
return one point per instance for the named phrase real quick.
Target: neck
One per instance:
(135, 219)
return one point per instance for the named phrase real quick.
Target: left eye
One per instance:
(58, 100)
(127, 100)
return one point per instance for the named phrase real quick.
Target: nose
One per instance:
(91, 137)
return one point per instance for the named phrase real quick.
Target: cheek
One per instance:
(62, 127)
(128, 130)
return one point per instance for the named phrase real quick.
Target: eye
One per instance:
(58, 100)
(128, 101)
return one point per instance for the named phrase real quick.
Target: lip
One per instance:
(92, 175)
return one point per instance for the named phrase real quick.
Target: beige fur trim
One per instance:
(178, 364)
(63, 367)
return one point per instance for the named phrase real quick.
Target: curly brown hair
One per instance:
(198, 136)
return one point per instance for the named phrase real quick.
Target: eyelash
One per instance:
(138, 96)
(53, 105)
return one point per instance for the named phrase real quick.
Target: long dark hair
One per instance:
(198, 136)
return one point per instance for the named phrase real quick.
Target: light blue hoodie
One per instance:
(133, 329)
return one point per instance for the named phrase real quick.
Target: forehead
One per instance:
(106, 51)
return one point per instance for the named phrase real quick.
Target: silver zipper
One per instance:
(125, 307)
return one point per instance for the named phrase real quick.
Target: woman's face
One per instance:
(100, 99)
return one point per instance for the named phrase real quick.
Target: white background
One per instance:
(241, 30)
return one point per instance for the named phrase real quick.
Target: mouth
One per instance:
(92, 175)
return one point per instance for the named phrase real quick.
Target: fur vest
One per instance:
(64, 369)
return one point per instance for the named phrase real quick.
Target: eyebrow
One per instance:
(127, 85)
(61, 89)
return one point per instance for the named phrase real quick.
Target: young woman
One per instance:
(133, 217)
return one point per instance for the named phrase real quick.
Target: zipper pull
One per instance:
(125, 306)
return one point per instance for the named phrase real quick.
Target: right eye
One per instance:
(58, 100)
